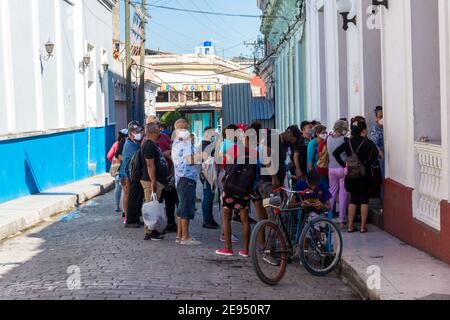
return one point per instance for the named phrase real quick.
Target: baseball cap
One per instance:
(304, 124)
(135, 126)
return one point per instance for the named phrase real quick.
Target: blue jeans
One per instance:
(207, 203)
(117, 191)
(186, 189)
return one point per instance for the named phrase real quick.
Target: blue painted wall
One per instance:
(32, 165)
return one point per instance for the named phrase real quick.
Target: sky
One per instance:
(181, 32)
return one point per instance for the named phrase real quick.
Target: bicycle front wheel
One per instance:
(268, 252)
(321, 247)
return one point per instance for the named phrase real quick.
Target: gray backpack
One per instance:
(355, 169)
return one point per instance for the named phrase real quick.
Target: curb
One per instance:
(21, 218)
(356, 281)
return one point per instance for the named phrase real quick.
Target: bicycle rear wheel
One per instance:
(321, 247)
(268, 252)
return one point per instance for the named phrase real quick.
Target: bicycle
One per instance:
(316, 243)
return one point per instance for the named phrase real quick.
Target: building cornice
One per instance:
(279, 18)
(109, 4)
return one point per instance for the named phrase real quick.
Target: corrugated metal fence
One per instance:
(238, 106)
(237, 99)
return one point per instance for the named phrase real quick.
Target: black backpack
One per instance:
(136, 167)
(240, 179)
(355, 168)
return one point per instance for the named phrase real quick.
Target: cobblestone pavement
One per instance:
(115, 263)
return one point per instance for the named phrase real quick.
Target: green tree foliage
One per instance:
(170, 117)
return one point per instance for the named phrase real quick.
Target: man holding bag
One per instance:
(155, 173)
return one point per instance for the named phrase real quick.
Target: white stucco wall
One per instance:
(398, 95)
(39, 97)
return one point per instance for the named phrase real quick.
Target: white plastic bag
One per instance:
(210, 172)
(154, 215)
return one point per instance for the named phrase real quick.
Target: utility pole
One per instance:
(142, 67)
(128, 62)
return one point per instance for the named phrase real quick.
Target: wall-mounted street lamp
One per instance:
(84, 64)
(344, 8)
(381, 3)
(49, 48)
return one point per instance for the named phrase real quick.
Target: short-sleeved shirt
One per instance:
(184, 169)
(151, 151)
(320, 193)
(129, 150)
(164, 142)
(313, 153)
(377, 136)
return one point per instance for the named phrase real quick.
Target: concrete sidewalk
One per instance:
(406, 273)
(23, 213)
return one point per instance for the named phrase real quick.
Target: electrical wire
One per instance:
(211, 13)
(166, 83)
(229, 25)
(212, 22)
(203, 77)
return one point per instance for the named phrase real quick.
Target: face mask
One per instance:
(323, 136)
(138, 137)
(184, 134)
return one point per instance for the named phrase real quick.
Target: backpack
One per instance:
(240, 179)
(136, 167)
(324, 159)
(163, 171)
(355, 169)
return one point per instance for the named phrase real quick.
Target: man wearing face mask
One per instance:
(132, 145)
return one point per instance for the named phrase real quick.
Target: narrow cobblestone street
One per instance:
(115, 263)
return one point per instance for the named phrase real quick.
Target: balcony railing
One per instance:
(428, 193)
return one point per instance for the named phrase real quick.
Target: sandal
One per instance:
(353, 231)
(364, 230)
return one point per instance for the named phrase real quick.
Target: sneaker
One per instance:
(252, 221)
(214, 223)
(190, 242)
(225, 252)
(118, 210)
(243, 253)
(154, 236)
(177, 241)
(234, 239)
(209, 225)
(272, 260)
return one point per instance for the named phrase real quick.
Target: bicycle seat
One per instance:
(274, 202)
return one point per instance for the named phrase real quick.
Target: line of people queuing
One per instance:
(337, 165)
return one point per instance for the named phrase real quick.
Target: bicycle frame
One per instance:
(282, 214)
